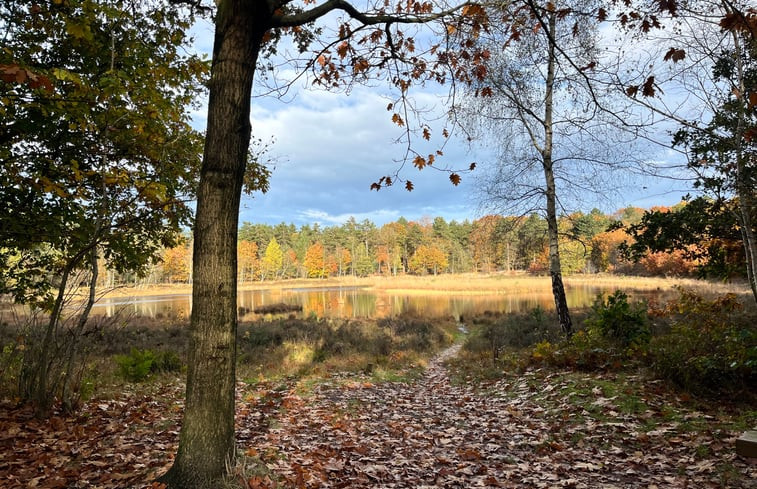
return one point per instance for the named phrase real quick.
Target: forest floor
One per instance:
(534, 429)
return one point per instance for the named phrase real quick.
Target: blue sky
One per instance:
(329, 147)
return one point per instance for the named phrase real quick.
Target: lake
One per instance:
(356, 302)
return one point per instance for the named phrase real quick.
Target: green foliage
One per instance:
(619, 321)
(703, 229)
(711, 347)
(138, 365)
(99, 152)
(513, 331)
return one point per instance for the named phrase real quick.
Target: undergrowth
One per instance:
(704, 346)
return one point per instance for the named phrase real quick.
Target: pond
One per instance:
(356, 302)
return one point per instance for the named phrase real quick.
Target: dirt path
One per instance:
(430, 433)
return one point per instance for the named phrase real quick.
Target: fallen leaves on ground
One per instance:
(537, 429)
(519, 432)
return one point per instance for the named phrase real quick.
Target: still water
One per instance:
(354, 302)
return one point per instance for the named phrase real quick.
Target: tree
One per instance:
(428, 259)
(723, 154)
(245, 29)
(97, 157)
(605, 250)
(703, 232)
(273, 259)
(315, 261)
(540, 107)
(176, 264)
(249, 263)
(713, 48)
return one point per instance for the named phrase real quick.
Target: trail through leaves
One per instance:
(537, 429)
(516, 434)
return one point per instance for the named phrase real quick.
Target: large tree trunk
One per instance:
(555, 269)
(206, 443)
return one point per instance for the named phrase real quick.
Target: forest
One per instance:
(105, 169)
(590, 243)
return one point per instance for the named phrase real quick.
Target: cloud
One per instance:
(330, 147)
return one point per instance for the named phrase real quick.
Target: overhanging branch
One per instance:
(302, 18)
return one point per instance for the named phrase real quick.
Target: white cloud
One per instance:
(330, 147)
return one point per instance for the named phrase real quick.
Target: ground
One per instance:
(535, 429)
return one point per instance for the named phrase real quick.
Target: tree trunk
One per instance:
(67, 395)
(40, 388)
(744, 188)
(206, 443)
(555, 269)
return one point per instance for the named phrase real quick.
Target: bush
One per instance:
(515, 330)
(711, 347)
(618, 321)
(135, 367)
(138, 365)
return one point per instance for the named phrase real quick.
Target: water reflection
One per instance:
(354, 302)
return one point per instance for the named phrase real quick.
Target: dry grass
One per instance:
(459, 284)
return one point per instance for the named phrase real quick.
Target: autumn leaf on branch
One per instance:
(455, 179)
(419, 162)
(648, 90)
(674, 55)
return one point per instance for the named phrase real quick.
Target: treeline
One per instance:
(590, 243)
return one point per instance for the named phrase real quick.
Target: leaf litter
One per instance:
(535, 429)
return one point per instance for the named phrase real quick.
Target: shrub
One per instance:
(516, 331)
(711, 347)
(619, 321)
(138, 365)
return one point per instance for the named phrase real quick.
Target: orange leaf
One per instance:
(419, 162)
(321, 60)
(342, 49)
(752, 99)
(455, 179)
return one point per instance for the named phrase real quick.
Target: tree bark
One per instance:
(67, 394)
(206, 443)
(555, 268)
(744, 188)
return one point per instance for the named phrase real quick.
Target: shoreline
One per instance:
(462, 284)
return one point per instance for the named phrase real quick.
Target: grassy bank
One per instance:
(138, 350)
(468, 283)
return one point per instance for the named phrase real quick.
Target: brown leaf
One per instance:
(648, 90)
(455, 179)
(675, 55)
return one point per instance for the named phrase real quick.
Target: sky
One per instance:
(328, 148)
